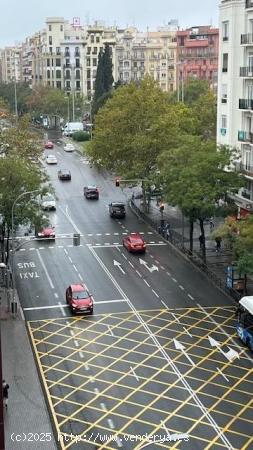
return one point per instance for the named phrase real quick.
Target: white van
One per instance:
(72, 127)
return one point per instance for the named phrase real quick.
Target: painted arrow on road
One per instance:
(144, 263)
(117, 264)
(181, 347)
(230, 355)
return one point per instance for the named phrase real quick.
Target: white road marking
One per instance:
(174, 279)
(98, 234)
(175, 317)
(22, 249)
(138, 273)
(40, 248)
(155, 293)
(103, 407)
(90, 234)
(190, 296)
(134, 374)
(129, 262)
(181, 287)
(56, 295)
(66, 306)
(111, 424)
(86, 367)
(60, 246)
(168, 273)
(166, 356)
(164, 304)
(81, 354)
(45, 269)
(185, 329)
(65, 251)
(107, 234)
(72, 333)
(222, 374)
(80, 276)
(110, 330)
(75, 268)
(96, 390)
(145, 281)
(70, 260)
(116, 234)
(162, 267)
(76, 343)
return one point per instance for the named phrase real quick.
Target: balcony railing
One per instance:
(245, 103)
(247, 39)
(247, 170)
(245, 136)
(249, 4)
(246, 71)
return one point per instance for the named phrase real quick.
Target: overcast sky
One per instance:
(20, 19)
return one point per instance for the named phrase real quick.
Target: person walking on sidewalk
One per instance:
(5, 393)
(211, 224)
(218, 244)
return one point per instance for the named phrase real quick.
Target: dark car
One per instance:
(117, 209)
(79, 298)
(91, 192)
(64, 174)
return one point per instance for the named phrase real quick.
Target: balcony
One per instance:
(245, 103)
(247, 39)
(246, 72)
(249, 4)
(245, 136)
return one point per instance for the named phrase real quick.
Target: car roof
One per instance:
(117, 204)
(78, 287)
(90, 187)
(64, 170)
(51, 156)
(135, 236)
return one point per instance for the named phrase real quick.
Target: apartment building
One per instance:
(11, 64)
(197, 54)
(153, 53)
(235, 90)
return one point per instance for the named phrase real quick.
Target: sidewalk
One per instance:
(216, 262)
(26, 420)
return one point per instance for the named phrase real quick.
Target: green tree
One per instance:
(7, 92)
(195, 179)
(47, 101)
(193, 89)
(107, 66)
(204, 109)
(125, 139)
(104, 79)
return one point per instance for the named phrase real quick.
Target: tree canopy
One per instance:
(104, 79)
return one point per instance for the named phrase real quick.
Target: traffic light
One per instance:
(117, 182)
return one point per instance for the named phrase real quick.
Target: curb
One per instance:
(183, 255)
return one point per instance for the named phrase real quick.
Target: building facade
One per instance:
(197, 54)
(235, 91)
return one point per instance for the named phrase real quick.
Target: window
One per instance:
(88, 73)
(88, 50)
(94, 73)
(88, 61)
(223, 121)
(92, 38)
(135, 64)
(97, 39)
(58, 50)
(48, 62)
(94, 61)
(58, 73)
(95, 50)
(224, 93)
(66, 51)
(48, 74)
(58, 84)
(51, 50)
(67, 74)
(78, 85)
(126, 63)
(68, 84)
(77, 51)
(77, 62)
(225, 62)
(49, 27)
(58, 62)
(67, 62)
(50, 40)
(225, 31)
(61, 27)
(78, 74)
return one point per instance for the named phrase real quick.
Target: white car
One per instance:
(51, 159)
(69, 148)
(48, 202)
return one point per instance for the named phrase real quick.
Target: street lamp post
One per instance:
(12, 245)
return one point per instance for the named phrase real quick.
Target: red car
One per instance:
(49, 144)
(134, 243)
(46, 233)
(79, 299)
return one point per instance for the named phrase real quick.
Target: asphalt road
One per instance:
(144, 363)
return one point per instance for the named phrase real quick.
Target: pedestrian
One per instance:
(211, 224)
(167, 231)
(5, 393)
(201, 241)
(218, 243)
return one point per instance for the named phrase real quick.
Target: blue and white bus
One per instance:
(245, 320)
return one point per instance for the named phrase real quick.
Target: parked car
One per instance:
(117, 210)
(64, 174)
(134, 243)
(49, 144)
(79, 298)
(45, 233)
(69, 147)
(48, 202)
(91, 192)
(51, 159)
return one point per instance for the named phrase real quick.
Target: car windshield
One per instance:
(118, 207)
(80, 295)
(48, 198)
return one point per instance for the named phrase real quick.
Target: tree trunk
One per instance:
(203, 244)
(144, 197)
(191, 234)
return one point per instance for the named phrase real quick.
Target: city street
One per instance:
(158, 364)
